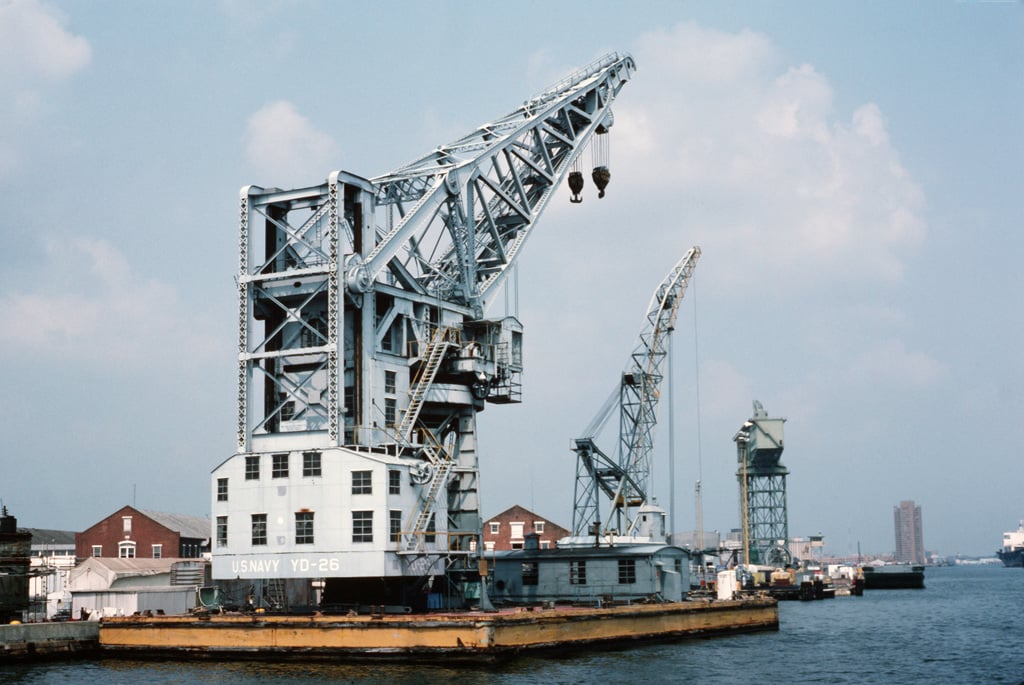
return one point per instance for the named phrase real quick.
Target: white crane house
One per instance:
(365, 353)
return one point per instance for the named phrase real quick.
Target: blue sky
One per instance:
(851, 172)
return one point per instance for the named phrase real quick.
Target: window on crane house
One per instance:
(362, 483)
(279, 468)
(389, 382)
(310, 464)
(531, 573)
(287, 408)
(222, 489)
(577, 573)
(350, 399)
(395, 525)
(431, 530)
(222, 531)
(259, 529)
(315, 334)
(627, 571)
(252, 467)
(303, 528)
(390, 411)
(387, 343)
(362, 526)
(394, 482)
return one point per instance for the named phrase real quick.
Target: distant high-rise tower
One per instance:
(909, 541)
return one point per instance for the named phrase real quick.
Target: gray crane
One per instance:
(365, 354)
(622, 481)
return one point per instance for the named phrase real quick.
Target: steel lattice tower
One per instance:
(762, 480)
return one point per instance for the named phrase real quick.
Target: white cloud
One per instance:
(891, 362)
(868, 122)
(93, 307)
(771, 173)
(284, 146)
(35, 45)
(726, 391)
(36, 52)
(705, 57)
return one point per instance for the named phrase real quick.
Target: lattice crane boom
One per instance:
(460, 214)
(625, 481)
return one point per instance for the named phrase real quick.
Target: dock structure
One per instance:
(35, 641)
(468, 636)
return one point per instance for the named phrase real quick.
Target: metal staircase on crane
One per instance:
(436, 350)
(441, 462)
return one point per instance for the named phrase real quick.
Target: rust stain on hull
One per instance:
(471, 635)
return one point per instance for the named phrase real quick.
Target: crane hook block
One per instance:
(576, 185)
(601, 177)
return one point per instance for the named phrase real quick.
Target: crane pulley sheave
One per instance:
(625, 482)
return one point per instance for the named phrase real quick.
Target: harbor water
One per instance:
(965, 626)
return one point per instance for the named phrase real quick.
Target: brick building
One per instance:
(508, 530)
(130, 533)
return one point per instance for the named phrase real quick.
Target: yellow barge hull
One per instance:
(469, 635)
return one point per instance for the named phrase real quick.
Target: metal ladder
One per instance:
(436, 350)
(442, 462)
(275, 594)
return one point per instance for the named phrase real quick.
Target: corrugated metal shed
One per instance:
(98, 573)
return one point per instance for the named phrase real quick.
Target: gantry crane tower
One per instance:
(762, 480)
(622, 482)
(364, 355)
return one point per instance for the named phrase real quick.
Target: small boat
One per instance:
(1012, 551)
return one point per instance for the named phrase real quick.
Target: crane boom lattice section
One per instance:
(625, 481)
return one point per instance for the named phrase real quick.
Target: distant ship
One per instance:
(1012, 551)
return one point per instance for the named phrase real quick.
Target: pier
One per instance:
(32, 641)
